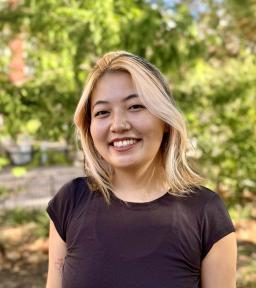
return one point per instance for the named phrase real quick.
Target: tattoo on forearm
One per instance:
(59, 265)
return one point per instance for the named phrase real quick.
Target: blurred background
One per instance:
(207, 51)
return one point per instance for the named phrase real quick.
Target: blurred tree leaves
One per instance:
(205, 48)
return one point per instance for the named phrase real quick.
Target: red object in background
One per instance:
(17, 65)
(14, 3)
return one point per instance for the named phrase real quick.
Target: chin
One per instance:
(124, 164)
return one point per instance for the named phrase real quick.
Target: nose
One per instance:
(119, 124)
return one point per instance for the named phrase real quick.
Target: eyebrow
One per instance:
(107, 102)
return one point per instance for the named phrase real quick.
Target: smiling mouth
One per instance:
(124, 143)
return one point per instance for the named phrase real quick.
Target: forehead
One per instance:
(113, 85)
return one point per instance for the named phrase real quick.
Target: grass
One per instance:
(7, 192)
(4, 192)
(19, 216)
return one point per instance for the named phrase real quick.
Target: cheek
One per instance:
(94, 132)
(153, 128)
(98, 131)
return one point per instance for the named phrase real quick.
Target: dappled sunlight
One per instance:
(206, 50)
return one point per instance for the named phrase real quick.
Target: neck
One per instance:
(140, 185)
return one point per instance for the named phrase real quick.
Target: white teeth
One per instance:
(124, 143)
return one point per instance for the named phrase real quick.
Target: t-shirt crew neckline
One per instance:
(138, 205)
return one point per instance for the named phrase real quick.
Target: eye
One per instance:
(136, 107)
(100, 113)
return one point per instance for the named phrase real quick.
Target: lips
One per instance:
(124, 144)
(124, 141)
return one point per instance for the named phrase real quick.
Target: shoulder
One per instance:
(199, 198)
(203, 193)
(211, 217)
(208, 199)
(72, 192)
(202, 204)
(66, 201)
(77, 183)
(74, 187)
(215, 221)
(203, 213)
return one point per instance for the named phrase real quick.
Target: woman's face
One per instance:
(124, 132)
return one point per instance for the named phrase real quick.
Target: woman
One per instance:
(140, 218)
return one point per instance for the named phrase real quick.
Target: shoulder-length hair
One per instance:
(154, 93)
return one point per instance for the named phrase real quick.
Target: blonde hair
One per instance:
(153, 91)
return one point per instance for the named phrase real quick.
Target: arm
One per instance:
(219, 265)
(57, 253)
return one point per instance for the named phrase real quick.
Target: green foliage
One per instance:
(223, 120)
(19, 171)
(19, 216)
(205, 48)
(3, 162)
(3, 192)
(56, 158)
(238, 212)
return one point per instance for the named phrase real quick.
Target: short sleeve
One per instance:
(60, 208)
(216, 223)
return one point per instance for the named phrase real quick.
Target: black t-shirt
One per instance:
(157, 244)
